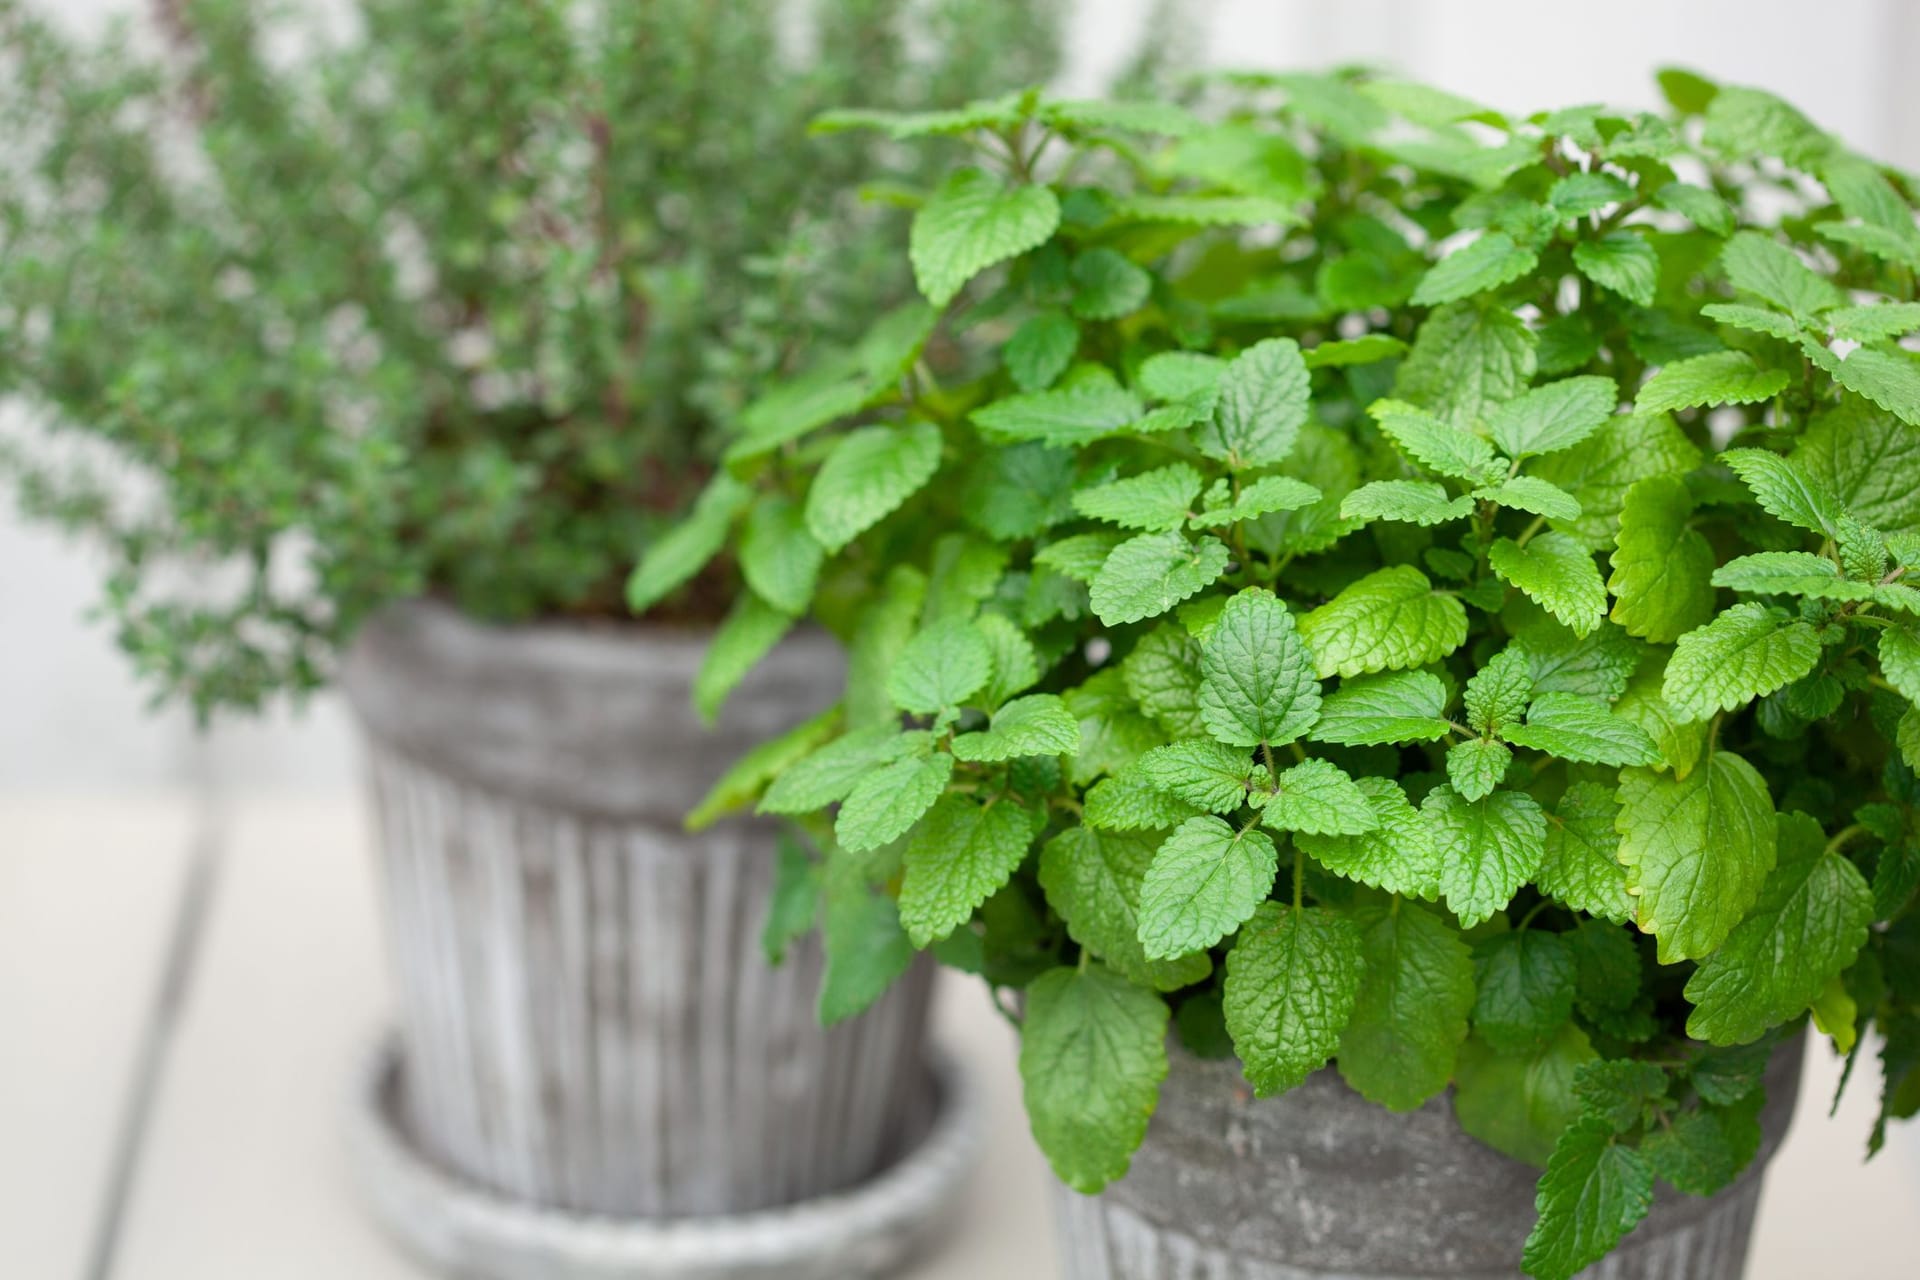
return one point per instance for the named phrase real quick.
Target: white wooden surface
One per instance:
(243, 1175)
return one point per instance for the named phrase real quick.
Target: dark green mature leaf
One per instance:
(1041, 349)
(1092, 1055)
(1163, 676)
(1662, 569)
(1696, 851)
(1488, 848)
(1622, 261)
(1900, 659)
(1745, 653)
(1092, 879)
(1075, 413)
(867, 476)
(1401, 706)
(973, 222)
(1292, 979)
(1257, 678)
(1525, 983)
(795, 901)
(1890, 379)
(1595, 1191)
(751, 629)
(1387, 621)
(1149, 574)
(1520, 1103)
(1410, 1015)
(779, 557)
(1262, 406)
(1864, 458)
(1204, 882)
(1399, 855)
(1808, 925)
(1768, 269)
(1107, 285)
(1626, 449)
(1558, 574)
(1618, 1090)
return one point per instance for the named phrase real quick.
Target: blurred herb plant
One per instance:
(450, 302)
(1372, 580)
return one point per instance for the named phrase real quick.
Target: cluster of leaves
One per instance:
(449, 303)
(1385, 583)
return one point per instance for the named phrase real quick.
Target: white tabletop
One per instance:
(242, 1175)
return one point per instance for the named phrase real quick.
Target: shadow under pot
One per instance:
(587, 1022)
(1320, 1184)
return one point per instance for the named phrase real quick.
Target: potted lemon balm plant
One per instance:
(1388, 634)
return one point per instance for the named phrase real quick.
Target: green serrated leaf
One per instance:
(1519, 1103)
(1200, 772)
(1622, 261)
(1260, 497)
(1036, 725)
(1499, 691)
(1092, 881)
(794, 902)
(1599, 473)
(1754, 320)
(1399, 856)
(1316, 797)
(867, 476)
(1092, 1055)
(940, 668)
(1432, 442)
(1041, 349)
(1725, 377)
(885, 802)
(961, 854)
(827, 774)
(779, 558)
(1419, 502)
(751, 629)
(1108, 285)
(1877, 323)
(1525, 984)
(1204, 882)
(1554, 417)
(1583, 729)
(1157, 500)
(1698, 205)
(1789, 573)
(1147, 575)
(974, 221)
(1807, 925)
(1556, 573)
(1387, 621)
(1534, 495)
(1404, 706)
(1890, 379)
(1467, 359)
(1074, 413)
(1488, 848)
(684, 550)
(1257, 677)
(1864, 458)
(1410, 1015)
(1767, 269)
(1785, 490)
(1580, 868)
(1130, 801)
(866, 949)
(1489, 262)
(1262, 406)
(1476, 766)
(1292, 979)
(1696, 851)
(765, 764)
(1745, 653)
(1662, 569)
(1595, 1190)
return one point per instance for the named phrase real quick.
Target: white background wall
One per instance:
(71, 719)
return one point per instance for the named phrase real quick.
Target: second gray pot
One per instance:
(1320, 1184)
(587, 1021)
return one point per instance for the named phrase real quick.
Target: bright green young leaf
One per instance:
(1387, 621)
(1204, 882)
(1413, 501)
(1787, 491)
(1434, 443)
(1260, 497)
(1156, 500)
(1149, 574)
(1696, 851)
(940, 668)
(1725, 377)
(1745, 653)
(1467, 359)
(1401, 706)
(1525, 982)
(1201, 772)
(1074, 413)
(1533, 495)
(1789, 573)
(1595, 1191)
(1584, 729)
(1662, 569)
(1399, 855)
(1410, 1016)
(1093, 1052)
(1556, 573)
(1345, 353)
(1499, 691)
(1019, 491)
(1128, 801)
(959, 857)
(1865, 459)
(866, 478)
(1262, 406)
(1292, 979)
(1890, 379)
(751, 629)
(1698, 205)
(973, 222)
(1599, 473)
(1317, 797)
(1768, 269)
(1488, 848)
(1036, 725)
(1257, 677)
(1579, 194)
(1876, 323)
(1900, 659)
(1597, 665)
(768, 762)
(1622, 261)
(1489, 262)
(826, 775)
(884, 803)
(1581, 868)
(779, 558)
(1092, 880)
(1015, 665)
(1754, 320)
(1476, 766)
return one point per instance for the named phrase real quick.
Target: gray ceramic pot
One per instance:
(1319, 1184)
(587, 1022)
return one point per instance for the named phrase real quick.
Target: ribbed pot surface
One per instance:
(1319, 1184)
(588, 1021)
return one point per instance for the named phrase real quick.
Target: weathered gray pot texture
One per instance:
(587, 1021)
(1319, 1184)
